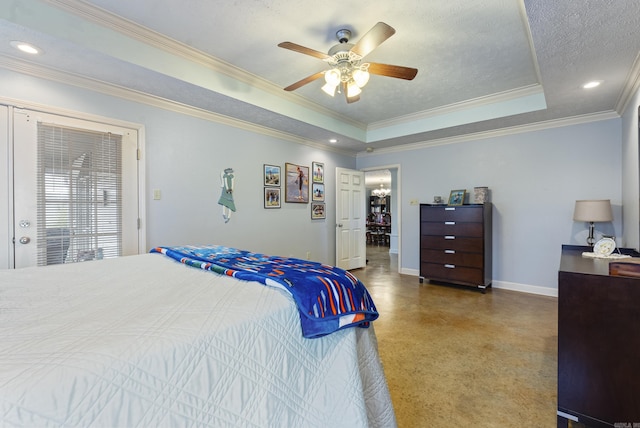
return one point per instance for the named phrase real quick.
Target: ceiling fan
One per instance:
(348, 74)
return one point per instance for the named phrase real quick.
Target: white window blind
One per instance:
(79, 195)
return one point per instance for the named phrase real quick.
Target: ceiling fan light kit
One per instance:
(353, 76)
(347, 74)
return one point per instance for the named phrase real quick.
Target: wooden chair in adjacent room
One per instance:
(386, 229)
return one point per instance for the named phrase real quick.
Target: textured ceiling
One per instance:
(483, 66)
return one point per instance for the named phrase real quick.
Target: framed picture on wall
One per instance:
(296, 185)
(317, 169)
(457, 197)
(317, 192)
(318, 211)
(271, 175)
(272, 197)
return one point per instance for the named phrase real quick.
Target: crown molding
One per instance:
(631, 88)
(147, 36)
(532, 47)
(519, 129)
(79, 81)
(460, 106)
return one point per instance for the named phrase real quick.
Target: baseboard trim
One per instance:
(504, 285)
(524, 288)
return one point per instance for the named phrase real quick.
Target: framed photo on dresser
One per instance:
(457, 197)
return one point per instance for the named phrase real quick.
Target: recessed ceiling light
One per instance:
(25, 47)
(592, 84)
(333, 141)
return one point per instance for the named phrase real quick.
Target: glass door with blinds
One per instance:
(75, 190)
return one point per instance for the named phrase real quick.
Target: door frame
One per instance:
(6, 188)
(6, 180)
(358, 248)
(398, 193)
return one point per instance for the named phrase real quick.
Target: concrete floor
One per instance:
(455, 357)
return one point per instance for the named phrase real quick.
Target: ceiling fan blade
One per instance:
(304, 81)
(302, 49)
(378, 34)
(396, 71)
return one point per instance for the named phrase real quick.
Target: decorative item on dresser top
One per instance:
(592, 211)
(480, 195)
(604, 249)
(455, 244)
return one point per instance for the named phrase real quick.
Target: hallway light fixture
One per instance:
(381, 192)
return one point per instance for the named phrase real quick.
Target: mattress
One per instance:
(144, 341)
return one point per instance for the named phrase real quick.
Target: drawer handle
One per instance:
(450, 266)
(450, 209)
(449, 237)
(450, 251)
(450, 222)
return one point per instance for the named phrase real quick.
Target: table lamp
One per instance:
(593, 211)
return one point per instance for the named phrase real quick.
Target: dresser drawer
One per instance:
(452, 273)
(452, 257)
(452, 228)
(451, 242)
(444, 213)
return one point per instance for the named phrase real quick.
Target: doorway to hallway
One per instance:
(383, 215)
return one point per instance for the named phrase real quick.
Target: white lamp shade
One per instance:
(593, 210)
(332, 77)
(361, 77)
(353, 90)
(329, 89)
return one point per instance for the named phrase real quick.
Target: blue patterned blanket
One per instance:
(328, 298)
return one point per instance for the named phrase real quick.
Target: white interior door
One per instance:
(351, 246)
(6, 246)
(29, 235)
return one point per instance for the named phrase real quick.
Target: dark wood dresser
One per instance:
(598, 343)
(455, 244)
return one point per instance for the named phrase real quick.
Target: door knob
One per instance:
(25, 240)
(339, 224)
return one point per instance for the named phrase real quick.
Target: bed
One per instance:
(144, 341)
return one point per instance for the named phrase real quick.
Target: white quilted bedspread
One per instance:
(144, 341)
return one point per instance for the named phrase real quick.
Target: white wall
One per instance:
(184, 157)
(630, 173)
(534, 179)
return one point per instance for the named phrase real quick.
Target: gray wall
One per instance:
(534, 179)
